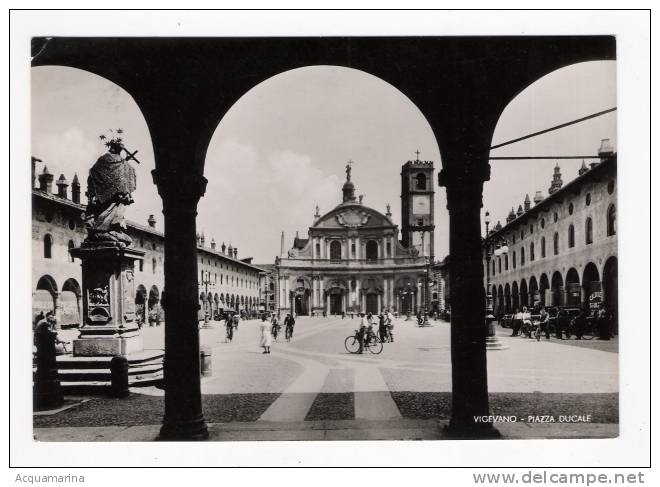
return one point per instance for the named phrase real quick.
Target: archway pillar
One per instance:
(465, 168)
(180, 191)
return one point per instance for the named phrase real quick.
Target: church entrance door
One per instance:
(301, 305)
(335, 304)
(372, 303)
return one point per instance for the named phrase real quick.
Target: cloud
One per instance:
(252, 196)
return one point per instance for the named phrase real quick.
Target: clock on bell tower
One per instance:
(417, 208)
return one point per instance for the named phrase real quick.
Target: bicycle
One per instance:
(371, 343)
(229, 333)
(588, 332)
(288, 333)
(275, 331)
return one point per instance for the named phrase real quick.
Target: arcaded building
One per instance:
(562, 249)
(225, 281)
(353, 259)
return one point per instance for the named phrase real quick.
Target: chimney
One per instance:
(235, 252)
(62, 186)
(538, 197)
(520, 210)
(223, 247)
(605, 151)
(202, 240)
(75, 189)
(46, 181)
(151, 221)
(212, 244)
(527, 202)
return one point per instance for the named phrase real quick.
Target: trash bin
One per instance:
(205, 361)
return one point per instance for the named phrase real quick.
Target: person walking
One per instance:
(517, 323)
(266, 337)
(579, 324)
(229, 326)
(562, 324)
(544, 325)
(362, 332)
(389, 324)
(382, 329)
(602, 323)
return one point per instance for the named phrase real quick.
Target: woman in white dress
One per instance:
(266, 337)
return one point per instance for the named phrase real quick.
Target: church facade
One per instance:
(354, 260)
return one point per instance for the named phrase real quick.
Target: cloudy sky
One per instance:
(282, 148)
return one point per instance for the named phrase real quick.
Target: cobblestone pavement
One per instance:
(313, 378)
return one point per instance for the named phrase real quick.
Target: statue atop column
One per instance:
(110, 185)
(348, 170)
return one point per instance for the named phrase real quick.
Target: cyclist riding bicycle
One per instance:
(275, 326)
(289, 322)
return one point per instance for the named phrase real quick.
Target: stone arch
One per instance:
(501, 303)
(557, 287)
(573, 289)
(467, 110)
(534, 296)
(544, 285)
(611, 291)
(44, 298)
(508, 304)
(524, 296)
(70, 303)
(592, 291)
(515, 297)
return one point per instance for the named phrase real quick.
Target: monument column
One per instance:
(180, 191)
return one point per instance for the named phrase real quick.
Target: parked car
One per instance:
(506, 321)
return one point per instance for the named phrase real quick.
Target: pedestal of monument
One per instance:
(109, 325)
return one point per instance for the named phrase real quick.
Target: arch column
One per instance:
(465, 167)
(180, 191)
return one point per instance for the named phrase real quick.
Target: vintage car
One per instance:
(506, 321)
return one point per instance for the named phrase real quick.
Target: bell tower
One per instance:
(417, 207)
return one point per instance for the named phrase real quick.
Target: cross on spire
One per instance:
(417, 154)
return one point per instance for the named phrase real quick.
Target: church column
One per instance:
(180, 192)
(380, 302)
(384, 254)
(358, 253)
(313, 300)
(314, 256)
(385, 295)
(327, 304)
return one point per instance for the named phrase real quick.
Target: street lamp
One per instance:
(205, 282)
(490, 242)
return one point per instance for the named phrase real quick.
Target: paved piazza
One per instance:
(315, 362)
(311, 388)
